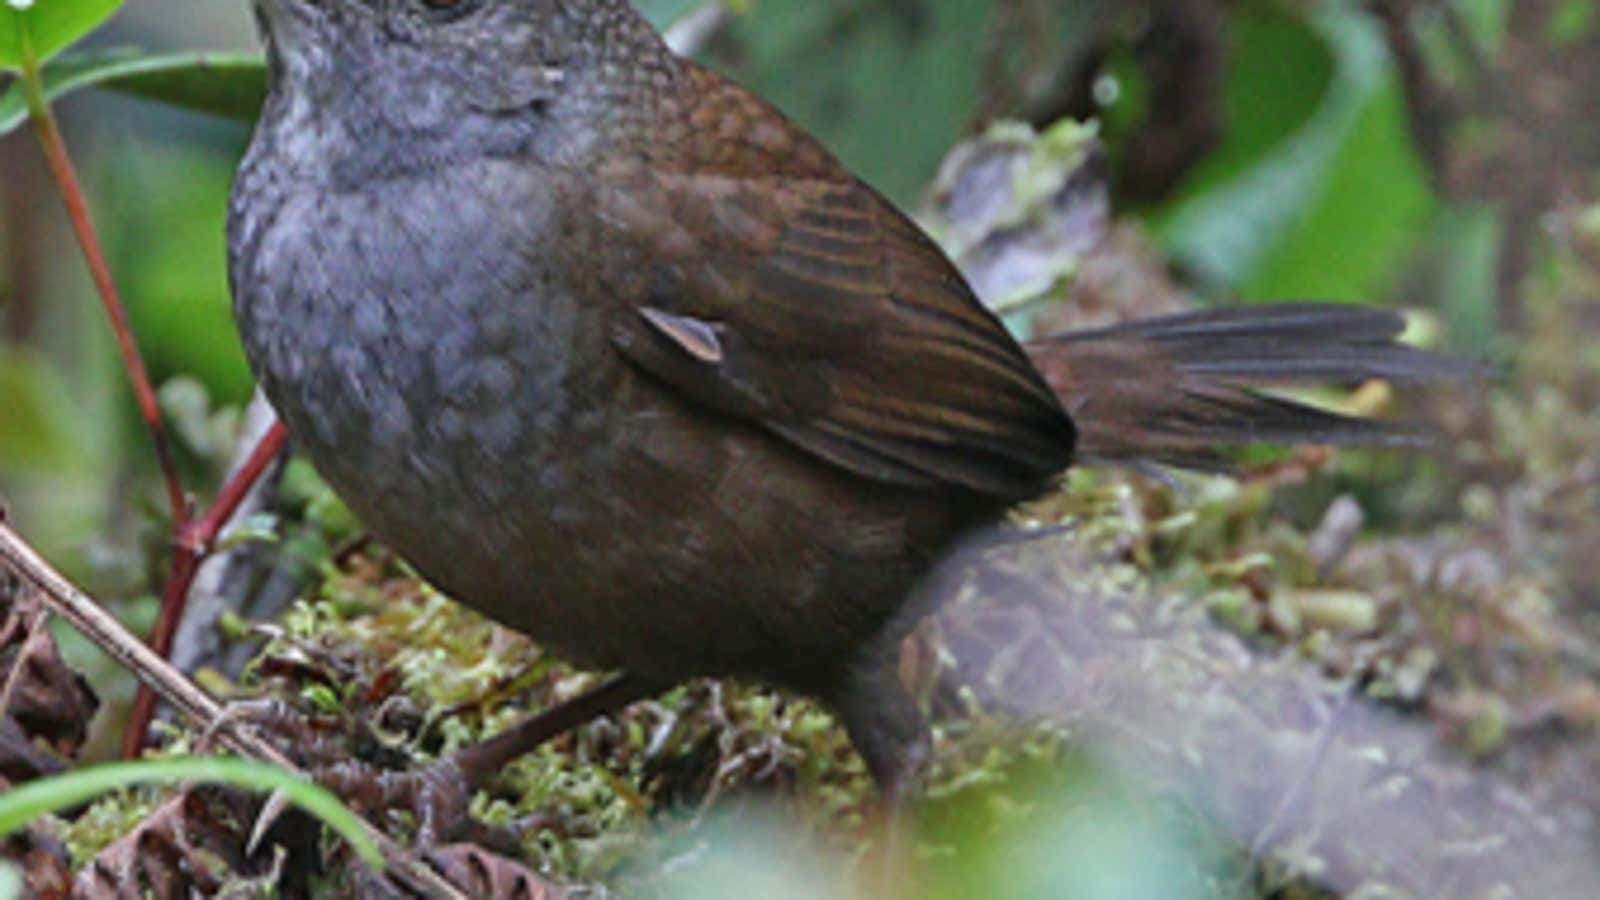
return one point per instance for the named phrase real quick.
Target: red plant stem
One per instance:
(238, 487)
(66, 177)
(193, 539)
(195, 542)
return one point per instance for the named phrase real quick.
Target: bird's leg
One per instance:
(478, 762)
(893, 739)
(887, 730)
(440, 793)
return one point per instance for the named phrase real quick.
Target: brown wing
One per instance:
(809, 304)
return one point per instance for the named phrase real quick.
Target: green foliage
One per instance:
(229, 85)
(1570, 22)
(870, 71)
(41, 424)
(663, 13)
(1309, 196)
(1279, 72)
(58, 428)
(1461, 259)
(1485, 21)
(888, 86)
(37, 30)
(171, 255)
(1364, 222)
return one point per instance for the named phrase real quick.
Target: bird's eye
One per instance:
(448, 9)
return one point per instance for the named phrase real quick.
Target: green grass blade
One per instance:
(24, 804)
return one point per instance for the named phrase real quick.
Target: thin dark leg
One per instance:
(478, 762)
(887, 730)
(893, 739)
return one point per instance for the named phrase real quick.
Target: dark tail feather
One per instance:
(1181, 390)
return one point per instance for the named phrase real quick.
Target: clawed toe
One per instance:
(267, 715)
(307, 739)
(437, 797)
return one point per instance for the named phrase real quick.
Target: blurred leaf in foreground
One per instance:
(43, 28)
(230, 85)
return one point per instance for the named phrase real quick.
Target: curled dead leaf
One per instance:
(491, 876)
(45, 706)
(193, 845)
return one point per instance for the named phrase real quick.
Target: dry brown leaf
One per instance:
(45, 706)
(491, 876)
(193, 845)
(44, 860)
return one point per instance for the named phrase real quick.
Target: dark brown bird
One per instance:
(616, 354)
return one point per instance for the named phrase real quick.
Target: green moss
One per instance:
(108, 819)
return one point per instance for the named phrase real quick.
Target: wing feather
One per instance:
(810, 305)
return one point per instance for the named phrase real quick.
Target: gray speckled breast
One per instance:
(423, 366)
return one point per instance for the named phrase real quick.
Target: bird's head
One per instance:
(423, 81)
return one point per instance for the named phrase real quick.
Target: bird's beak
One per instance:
(284, 19)
(295, 33)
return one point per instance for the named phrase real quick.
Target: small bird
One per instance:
(616, 354)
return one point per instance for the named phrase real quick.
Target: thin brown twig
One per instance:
(203, 712)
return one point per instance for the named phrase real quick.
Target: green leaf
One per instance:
(1570, 22)
(1278, 75)
(1332, 209)
(231, 85)
(863, 70)
(1226, 234)
(21, 806)
(47, 27)
(171, 256)
(1465, 250)
(1487, 22)
(1372, 209)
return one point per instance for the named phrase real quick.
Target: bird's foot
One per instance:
(439, 795)
(438, 798)
(312, 741)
